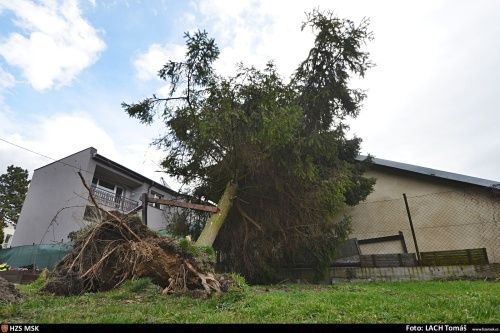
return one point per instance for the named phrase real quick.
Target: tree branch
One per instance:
(247, 217)
(170, 99)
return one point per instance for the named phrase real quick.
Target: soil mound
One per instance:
(8, 292)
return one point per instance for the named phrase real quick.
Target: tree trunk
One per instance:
(216, 221)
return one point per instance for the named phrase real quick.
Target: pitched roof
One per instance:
(116, 166)
(433, 172)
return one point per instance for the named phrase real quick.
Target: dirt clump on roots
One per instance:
(121, 248)
(8, 292)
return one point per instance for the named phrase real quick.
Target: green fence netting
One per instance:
(38, 256)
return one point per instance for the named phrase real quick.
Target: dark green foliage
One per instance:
(81, 233)
(283, 142)
(13, 188)
(2, 225)
(186, 223)
(323, 77)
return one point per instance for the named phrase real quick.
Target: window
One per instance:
(6, 241)
(156, 195)
(107, 186)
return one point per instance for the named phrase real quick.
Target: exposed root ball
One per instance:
(121, 248)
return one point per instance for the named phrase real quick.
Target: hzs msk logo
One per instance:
(4, 327)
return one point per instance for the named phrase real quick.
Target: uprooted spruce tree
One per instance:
(272, 152)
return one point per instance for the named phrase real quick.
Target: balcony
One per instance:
(111, 200)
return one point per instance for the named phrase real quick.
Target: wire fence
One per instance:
(452, 221)
(444, 221)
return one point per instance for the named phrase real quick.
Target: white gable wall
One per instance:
(52, 188)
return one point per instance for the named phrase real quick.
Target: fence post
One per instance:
(403, 243)
(412, 229)
(144, 199)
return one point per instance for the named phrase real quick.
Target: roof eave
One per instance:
(433, 172)
(133, 174)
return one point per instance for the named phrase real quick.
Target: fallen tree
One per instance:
(120, 247)
(214, 223)
(274, 153)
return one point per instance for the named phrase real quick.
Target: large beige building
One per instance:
(449, 211)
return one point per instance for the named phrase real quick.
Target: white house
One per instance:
(57, 203)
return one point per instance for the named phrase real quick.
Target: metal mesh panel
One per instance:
(377, 219)
(456, 221)
(444, 221)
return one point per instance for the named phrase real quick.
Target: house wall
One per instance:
(56, 199)
(446, 215)
(158, 218)
(8, 232)
(52, 188)
(132, 187)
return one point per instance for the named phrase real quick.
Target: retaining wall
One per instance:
(418, 273)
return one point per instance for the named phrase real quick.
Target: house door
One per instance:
(119, 197)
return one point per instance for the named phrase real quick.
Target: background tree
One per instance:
(274, 152)
(13, 188)
(2, 225)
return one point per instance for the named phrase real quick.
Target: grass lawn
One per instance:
(391, 302)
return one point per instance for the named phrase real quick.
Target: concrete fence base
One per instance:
(419, 273)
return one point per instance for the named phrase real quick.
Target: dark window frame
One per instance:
(157, 195)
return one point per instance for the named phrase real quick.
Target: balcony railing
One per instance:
(111, 200)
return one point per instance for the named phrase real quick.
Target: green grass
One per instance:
(391, 302)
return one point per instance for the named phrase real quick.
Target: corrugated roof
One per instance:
(433, 172)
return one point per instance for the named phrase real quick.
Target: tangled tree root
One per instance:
(121, 248)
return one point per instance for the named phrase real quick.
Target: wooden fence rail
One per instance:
(175, 203)
(455, 257)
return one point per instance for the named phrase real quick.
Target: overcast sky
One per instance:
(66, 66)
